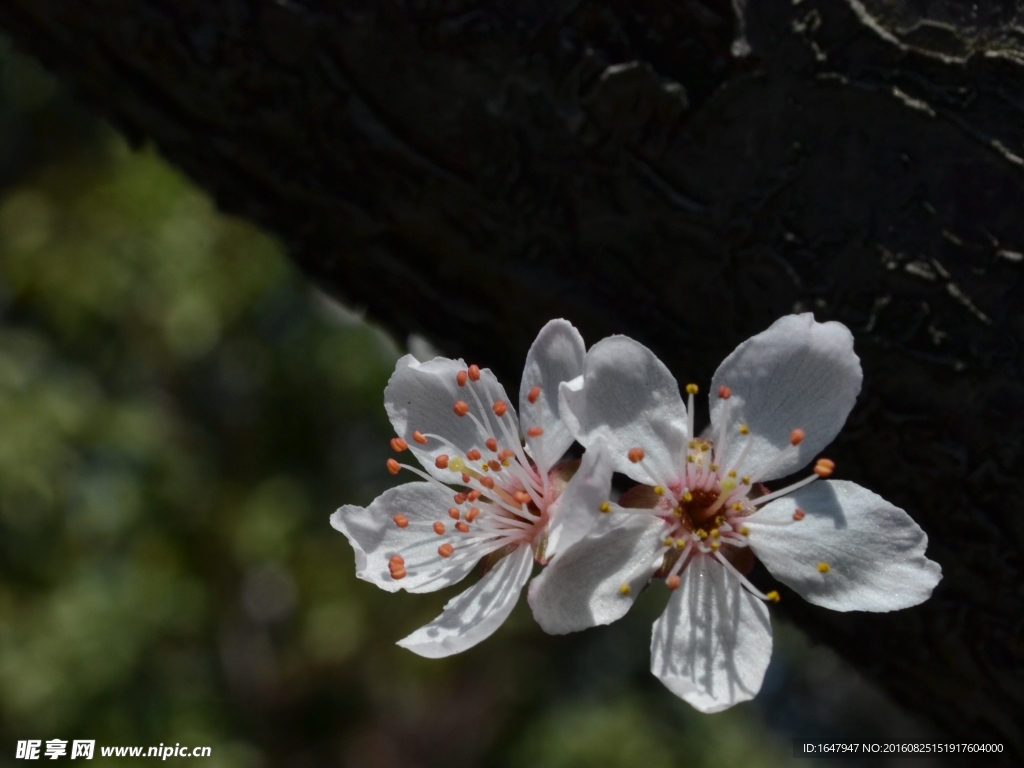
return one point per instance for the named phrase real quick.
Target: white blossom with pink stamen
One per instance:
(514, 502)
(702, 508)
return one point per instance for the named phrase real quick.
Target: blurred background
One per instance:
(179, 415)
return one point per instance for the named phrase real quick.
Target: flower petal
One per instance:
(874, 550)
(628, 398)
(555, 356)
(576, 511)
(376, 537)
(798, 374)
(475, 614)
(581, 587)
(421, 397)
(713, 643)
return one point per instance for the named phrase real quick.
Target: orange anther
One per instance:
(636, 455)
(396, 560)
(460, 498)
(460, 378)
(398, 573)
(441, 462)
(474, 373)
(491, 443)
(495, 465)
(461, 408)
(499, 408)
(394, 467)
(673, 582)
(521, 497)
(419, 438)
(534, 394)
(472, 514)
(473, 495)
(438, 527)
(398, 445)
(724, 392)
(535, 431)
(487, 482)
(796, 437)
(401, 521)
(472, 454)
(453, 513)
(445, 550)
(508, 453)
(465, 479)
(799, 514)
(461, 527)
(824, 467)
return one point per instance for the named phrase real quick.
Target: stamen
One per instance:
(773, 596)
(743, 580)
(824, 467)
(534, 394)
(784, 492)
(691, 390)
(474, 373)
(419, 438)
(398, 445)
(461, 408)
(401, 521)
(394, 467)
(460, 378)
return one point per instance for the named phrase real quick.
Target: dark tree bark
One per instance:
(470, 169)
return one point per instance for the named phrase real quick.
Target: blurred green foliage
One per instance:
(179, 414)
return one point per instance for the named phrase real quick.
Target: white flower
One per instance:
(516, 503)
(777, 400)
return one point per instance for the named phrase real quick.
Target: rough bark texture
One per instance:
(469, 170)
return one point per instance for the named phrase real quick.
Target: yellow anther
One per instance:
(456, 464)
(719, 520)
(744, 531)
(680, 543)
(728, 485)
(687, 496)
(692, 444)
(625, 589)
(773, 596)
(504, 462)
(713, 467)
(659, 490)
(745, 479)
(823, 567)
(702, 534)
(678, 511)
(690, 458)
(485, 468)
(732, 473)
(704, 446)
(714, 533)
(692, 389)
(667, 541)
(715, 545)
(737, 505)
(605, 507)
(744, 429)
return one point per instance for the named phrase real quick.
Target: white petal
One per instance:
(628, 398)
(422, 396)
(375, 537)
(874, 550)
(555, 356)
(574, 512)
(476, 613)
(581, 587)
(713, 643)
(798, 374)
